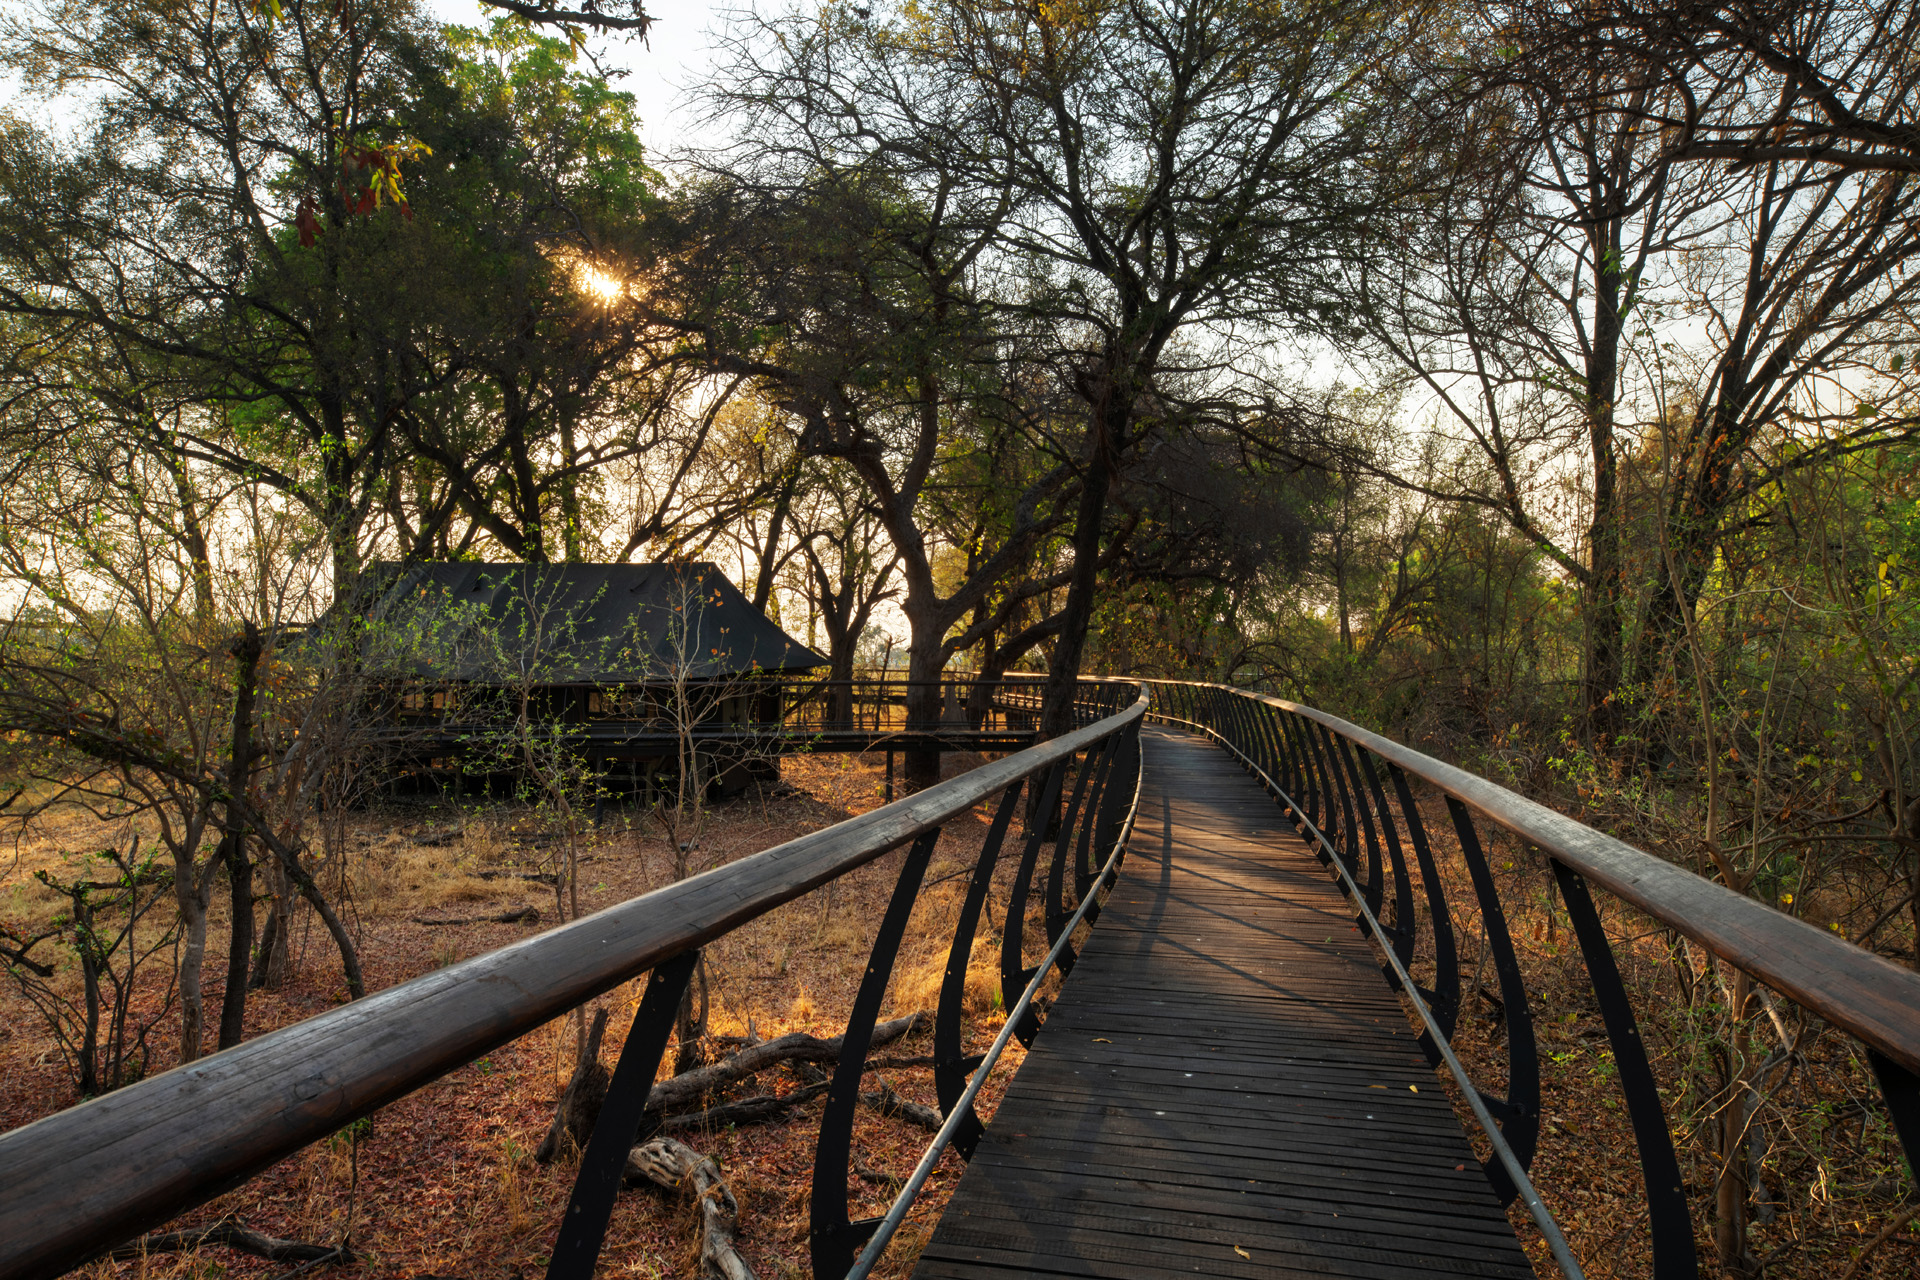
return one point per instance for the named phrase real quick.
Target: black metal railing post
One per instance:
(952, 1064)
(1444, 996)
(1057, 907)
(584, 1226)
(1901, 1089)
(1351, 773)
(1405, 926)
(835, 1238)
(1673, 1251)
(1014, 970)
(1310, 794)
(1519, 1111)
(1086, 859)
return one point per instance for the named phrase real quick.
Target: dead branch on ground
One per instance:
(671, 1164)
(233, 1236)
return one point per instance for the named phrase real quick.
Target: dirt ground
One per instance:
(443, 1183)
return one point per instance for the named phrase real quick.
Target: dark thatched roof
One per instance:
(569, 624)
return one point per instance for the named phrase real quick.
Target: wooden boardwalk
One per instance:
(1226, 1086)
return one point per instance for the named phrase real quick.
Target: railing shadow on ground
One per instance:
(1332, 778)
(76, 1184)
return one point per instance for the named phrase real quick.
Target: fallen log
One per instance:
(889, 1103)
(692, 1087)
(878, 1177)
(761, 1108)
(674, 1165)
(771, 1108)
(233, 1236)
(531, 915)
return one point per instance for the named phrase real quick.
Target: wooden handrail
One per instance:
(1868, 996)
(88, 1178)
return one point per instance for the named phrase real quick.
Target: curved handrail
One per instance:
(1866, 995)
(961, 1112)
(85, 1179)
(1332, 778)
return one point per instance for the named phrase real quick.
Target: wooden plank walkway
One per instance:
(1226, 1085)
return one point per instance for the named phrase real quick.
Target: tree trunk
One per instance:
(1607, 582)
(579, 1105)
(246, 649)
(999, 658)
(338, 505)
(691, 1028)
(270, 969)
(233, 1004)
(840, 682)
(90, 987)
(190, 895)
(569, 486)
(770, 554)
(926, 659)
(1056, 717)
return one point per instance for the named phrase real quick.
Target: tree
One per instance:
(1110, 178)
(1511, 299)
(130, 700)
(233, 212)
(849, 571)
(1827, 83)
(551, 393)
(846, 302)
(1539, 301)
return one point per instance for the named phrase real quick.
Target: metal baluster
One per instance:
(1251, 720)
(1296, 779)
(1404, 932)
(952, 1063)
(1083, 866)
(1322, 796)
(1350, 846)
(1519, 1111)
(1256, 748)
(604, 1161)
(1672, 1229)
(1119, 794)
(1237, 718)
(1014, 972)
(1056, 894)
(1270, 734)
(835, 1240)
(1117, 787)
(1901, 1088)
(1322, 747)
(1302, 791)
(1374, 874)
(1444, 998)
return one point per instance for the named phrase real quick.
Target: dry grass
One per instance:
(1833, 1186)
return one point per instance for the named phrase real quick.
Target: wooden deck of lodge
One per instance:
(1226, 1086)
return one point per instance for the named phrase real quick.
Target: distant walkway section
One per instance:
(1226, 1085)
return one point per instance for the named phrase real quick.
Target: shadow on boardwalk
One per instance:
(1226, 1085)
